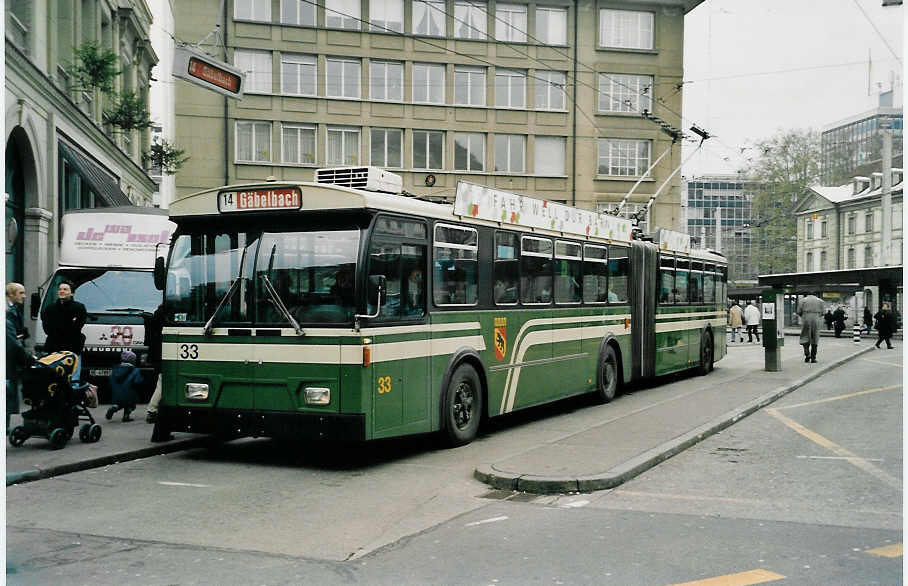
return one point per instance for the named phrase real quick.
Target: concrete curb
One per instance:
(635, 466)
(155, 450)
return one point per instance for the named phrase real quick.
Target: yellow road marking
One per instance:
(837, 449)
(881, 362)
(739, 579)
(887, 551)
(848, 396)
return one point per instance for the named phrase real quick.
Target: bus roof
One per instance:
(326, 197)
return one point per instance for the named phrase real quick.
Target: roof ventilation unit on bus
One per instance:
(368, 178)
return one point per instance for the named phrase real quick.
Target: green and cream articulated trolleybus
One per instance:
(343, 309)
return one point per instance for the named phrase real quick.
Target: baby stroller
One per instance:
(57, 404)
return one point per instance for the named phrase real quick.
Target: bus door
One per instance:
(643, 307)
(399, 336)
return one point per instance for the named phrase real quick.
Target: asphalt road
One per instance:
(807, 491)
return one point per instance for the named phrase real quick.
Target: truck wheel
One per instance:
(463, 406)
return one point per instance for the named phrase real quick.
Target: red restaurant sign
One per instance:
(254, 200)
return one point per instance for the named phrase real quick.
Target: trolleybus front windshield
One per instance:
(311, 271)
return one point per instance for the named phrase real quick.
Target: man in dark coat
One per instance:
(17, 357)
(810, 308)
(838, 320)
(885, 325)
(63, 323)
(868, 319)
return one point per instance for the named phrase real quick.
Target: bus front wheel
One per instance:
(463, 406)
(607, 383)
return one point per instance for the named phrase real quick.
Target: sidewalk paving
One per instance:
(600, 454)
(120, 442)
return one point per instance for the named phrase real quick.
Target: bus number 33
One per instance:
(384, 384)
(189, 351)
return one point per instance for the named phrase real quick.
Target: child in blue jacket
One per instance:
(125, 379)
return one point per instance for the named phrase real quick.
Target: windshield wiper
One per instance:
(210, 323)
(276, 299)
(127, 309)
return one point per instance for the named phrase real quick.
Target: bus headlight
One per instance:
(196, 391)
(318, 396)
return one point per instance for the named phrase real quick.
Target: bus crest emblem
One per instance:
(501, 337)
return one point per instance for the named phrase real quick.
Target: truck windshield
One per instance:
(108, 290)
(312, 272)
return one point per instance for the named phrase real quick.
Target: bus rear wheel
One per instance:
(463, 406)
(607, 379)
(706, 354)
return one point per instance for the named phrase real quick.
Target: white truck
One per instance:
(109, 254)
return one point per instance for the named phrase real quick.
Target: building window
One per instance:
(298, 74)
(809, 265)
(253, 142)
(623, 158)
(342, 78)
(868, 222)
(428, 149)
(428, 83)
(549, 90)
(549, 155)
(343, 146)
(429, 18)
(625, 93)
(470, 20)
(386, 80)
(386, 15)
(808, 224)
(823, 263)
(469, 86)
(625, 29)
(298, 144)
(343, 14)
(510, 153)
(259, 10)
(823, 229)
(257, 67)
(852, 221)
(511, 23)
(551, 25)
(298, 12)
(868, 256)
(469, 151)
(386, 147)
(510, 88)
(851, 261)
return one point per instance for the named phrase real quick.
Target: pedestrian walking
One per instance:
(868, 319)
(735, 321)
(838, 321)
(752, 317)
(828, 319)
(17, 357)
(62, 322)
(125, 380)
(153, 328)
(885, 326)
(810, 308)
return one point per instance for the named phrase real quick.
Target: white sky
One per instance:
(827, 40)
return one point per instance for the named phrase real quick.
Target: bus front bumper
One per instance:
(250, 422)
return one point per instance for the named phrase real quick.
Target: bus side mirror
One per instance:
(160, 275)
(376, 288)
(35, 305)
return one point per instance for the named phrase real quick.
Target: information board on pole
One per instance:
(204, 70)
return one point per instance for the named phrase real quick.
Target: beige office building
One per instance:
(543, 99)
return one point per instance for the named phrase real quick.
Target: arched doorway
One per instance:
(14, 224)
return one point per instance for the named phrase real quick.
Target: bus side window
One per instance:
(536, 264)
(709, 283)
(568, 272)
(595, 274)
(666, 280)
(506, 269)
(455, 266)
(682, 280)
(619, 271)
(696, 282)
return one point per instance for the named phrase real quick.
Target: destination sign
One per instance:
(258, 200)
(219, 77)
(479, 201)
(208, 72)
